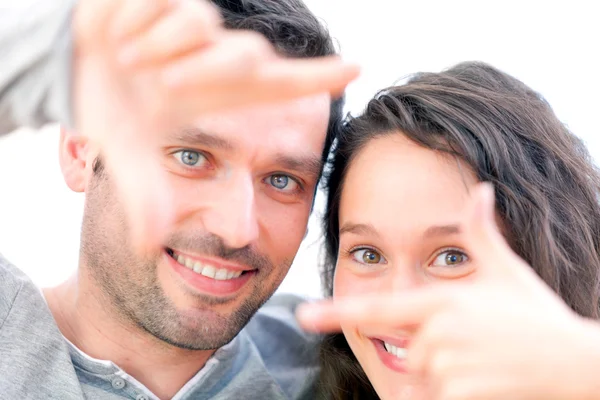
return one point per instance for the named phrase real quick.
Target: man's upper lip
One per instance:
(216, 262)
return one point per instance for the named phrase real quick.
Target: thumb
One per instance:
(143, 189)
(486, 245)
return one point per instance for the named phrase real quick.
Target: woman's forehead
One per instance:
(393, 179)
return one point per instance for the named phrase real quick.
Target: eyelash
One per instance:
(191, 167)
(300, 188)
(448, 250)
(352, 250)
(177, 155)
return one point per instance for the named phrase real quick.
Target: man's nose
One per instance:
(233, 217)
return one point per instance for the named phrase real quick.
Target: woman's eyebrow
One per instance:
(358, 229)
(441, 230)
(431, 232)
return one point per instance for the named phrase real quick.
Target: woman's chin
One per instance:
(395, 387)
(389, 382)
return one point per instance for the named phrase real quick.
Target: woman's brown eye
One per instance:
(450, 258)
(367, 256)
(371, 257)
(454, 258)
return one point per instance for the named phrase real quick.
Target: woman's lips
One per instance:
(392, 352)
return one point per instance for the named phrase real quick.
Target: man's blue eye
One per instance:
(283, 183)
(190, 158)
(280, 181)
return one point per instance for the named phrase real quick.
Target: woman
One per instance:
(401, 175)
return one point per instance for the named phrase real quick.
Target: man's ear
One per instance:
(74, 159)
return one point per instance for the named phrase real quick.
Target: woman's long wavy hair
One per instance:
(546, 185)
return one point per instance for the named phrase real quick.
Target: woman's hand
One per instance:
(504, 336)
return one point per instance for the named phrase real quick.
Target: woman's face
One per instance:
(399, 215)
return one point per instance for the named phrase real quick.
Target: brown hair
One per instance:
(546, 185)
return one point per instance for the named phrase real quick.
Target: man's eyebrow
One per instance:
(304, 164)
(358, 229)
(193, 136)
(441, 230)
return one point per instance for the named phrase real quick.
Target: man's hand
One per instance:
(143, 68)
(504, 336)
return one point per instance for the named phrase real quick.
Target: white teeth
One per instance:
(221, 274)
(197, 267)
(234, 274)
(207, 270)
(399, 352)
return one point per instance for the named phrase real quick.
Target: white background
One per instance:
(552, 46)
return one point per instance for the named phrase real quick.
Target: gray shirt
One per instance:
(272, 358)
(35, 63)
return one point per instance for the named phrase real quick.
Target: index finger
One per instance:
(147, 202)
(403, 310)
(266, 79)
(290, 78)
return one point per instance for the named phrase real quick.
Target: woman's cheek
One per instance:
(347, 283)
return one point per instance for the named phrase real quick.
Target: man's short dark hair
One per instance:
(294, 31)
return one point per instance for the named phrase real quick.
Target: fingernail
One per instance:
(306, 311)
(308, 315)
(352, 69)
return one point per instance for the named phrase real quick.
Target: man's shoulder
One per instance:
(288, 352)
(276, 322)
(34, 359)
(11, 282)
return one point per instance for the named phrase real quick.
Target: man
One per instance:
(147, 310)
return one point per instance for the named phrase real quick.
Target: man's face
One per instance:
(243, 185)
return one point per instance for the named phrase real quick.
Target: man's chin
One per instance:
(196, 329)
